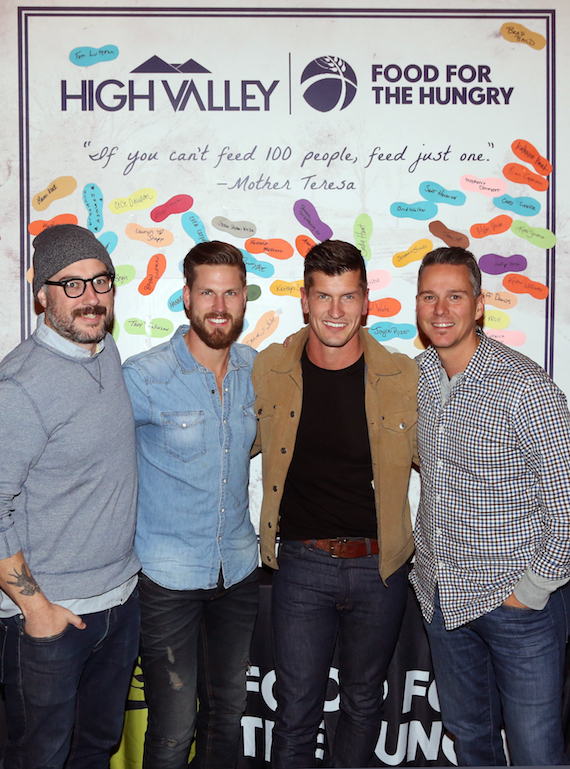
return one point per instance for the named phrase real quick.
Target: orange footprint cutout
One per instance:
(34, 228)
(275, 247)
(520, 284)
(526, 151)
(384, 308)
(154, 271)
(494, 227)
(514, 172)
(304, 244)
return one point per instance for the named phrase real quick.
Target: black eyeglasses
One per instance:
(75, 287)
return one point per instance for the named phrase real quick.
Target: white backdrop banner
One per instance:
(272, 129)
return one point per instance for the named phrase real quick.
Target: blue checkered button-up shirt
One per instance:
(495, 469)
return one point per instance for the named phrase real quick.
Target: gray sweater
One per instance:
(68, 474)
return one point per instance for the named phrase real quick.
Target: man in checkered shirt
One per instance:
(493, 528)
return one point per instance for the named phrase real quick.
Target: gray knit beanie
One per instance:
(61, 245)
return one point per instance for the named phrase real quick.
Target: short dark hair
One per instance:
(334, 257)
(214, 252)
(457, 257)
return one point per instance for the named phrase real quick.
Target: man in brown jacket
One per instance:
(337, 416)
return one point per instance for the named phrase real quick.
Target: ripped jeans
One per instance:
(195, 646)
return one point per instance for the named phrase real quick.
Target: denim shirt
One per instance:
(193, 455)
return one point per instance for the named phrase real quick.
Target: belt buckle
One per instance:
(332, 543)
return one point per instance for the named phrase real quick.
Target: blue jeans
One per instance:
(505, 667)
(315, 599)
(195, 644)
(66, 695)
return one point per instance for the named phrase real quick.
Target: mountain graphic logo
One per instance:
(331, 83)
(156, 65)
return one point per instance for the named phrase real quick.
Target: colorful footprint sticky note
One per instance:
(155, 270)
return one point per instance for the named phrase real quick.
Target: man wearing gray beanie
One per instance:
(69, 616)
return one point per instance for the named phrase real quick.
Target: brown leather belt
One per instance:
(346, 548)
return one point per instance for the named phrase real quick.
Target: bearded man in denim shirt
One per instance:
(195, 425)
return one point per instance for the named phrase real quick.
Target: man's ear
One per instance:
(479, 307)
(42, 297)
(186, 298)
(304, 300)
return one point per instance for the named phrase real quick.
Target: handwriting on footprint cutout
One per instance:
(438, 194)
(257, 267)
(86, 56)
(414, 253)
(526, 151)
(303, 244)
(504, 300)
(275, 247)
(494, 264)
(522, 206)
(124, 274)
(286, 288)
(39, 225)
(422, 210)
(157, 237)
(93, 202)
(490, 187)
(157, 328)
(176, 301)
(516, 33)
(362, 231)
(385, 331)
(449, 237)
(378, 279)
(538, 236)
(496, 319)
(178, 204)
(507, 336)
(237, 229)
(138, 201)
(154, 271)
(306, 214)
(520, 284)
(194, 227)
(384, 308)
(514, 172)
(59, 188)
(495, 226)
(264, 327)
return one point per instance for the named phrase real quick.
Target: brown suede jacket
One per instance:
(391, 412)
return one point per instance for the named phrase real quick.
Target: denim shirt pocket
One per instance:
(183, 433)
(249, 424)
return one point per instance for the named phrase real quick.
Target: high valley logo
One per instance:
(200, 92)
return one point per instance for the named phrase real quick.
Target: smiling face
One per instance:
(216, 304)
(337, 305)
(447, 313)
(86, 319)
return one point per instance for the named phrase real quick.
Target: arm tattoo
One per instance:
(25, 581)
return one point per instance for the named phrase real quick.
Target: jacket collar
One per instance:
(378, 360)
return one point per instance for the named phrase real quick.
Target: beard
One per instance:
(65, 323)
(219, 338)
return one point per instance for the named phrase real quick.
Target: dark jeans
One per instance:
(195, 644)
(504, 666)
(315, 599)
(66, 695)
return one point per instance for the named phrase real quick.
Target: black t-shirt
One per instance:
(328, 491)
